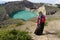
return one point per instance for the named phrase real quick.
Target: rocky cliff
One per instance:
(18, 5)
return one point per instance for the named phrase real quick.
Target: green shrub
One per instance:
(46, 23)
(14, 35)
(20, 23)
(52, 19)
(27, 28)
(58, 34)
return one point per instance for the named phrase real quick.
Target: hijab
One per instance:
(40, 15)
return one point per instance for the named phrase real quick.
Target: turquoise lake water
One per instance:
(25, 15)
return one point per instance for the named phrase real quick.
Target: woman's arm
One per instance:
(43, 19)
(38, 21)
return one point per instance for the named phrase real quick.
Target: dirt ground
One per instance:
(50, 31)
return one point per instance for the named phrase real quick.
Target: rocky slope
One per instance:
(11, 7)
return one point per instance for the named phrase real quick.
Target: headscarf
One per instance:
(40, 15)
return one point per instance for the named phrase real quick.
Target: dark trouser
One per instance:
(39, 29)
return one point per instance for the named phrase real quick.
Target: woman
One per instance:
(40, 24)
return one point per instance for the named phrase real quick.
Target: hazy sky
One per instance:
(44, 1)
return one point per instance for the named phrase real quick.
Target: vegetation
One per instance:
(14, 35)
(52, 19)
(27, 28)
(12, 23)
(46, 23)
(19, 24)
(2, 10)
(58, 34)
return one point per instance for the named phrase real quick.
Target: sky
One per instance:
(36, 1)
